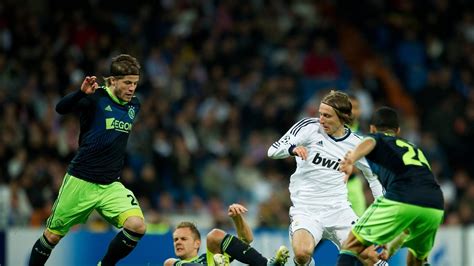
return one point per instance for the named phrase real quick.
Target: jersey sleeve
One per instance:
(372, 179)
(297, 135)
(375, 152)
(74, 101)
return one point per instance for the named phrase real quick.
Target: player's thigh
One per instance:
(339, 224)
(305, 231)
(117, 203)
(74, 204)
(422, 231)
(381, 222)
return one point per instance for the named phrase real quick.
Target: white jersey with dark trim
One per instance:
(317, 181)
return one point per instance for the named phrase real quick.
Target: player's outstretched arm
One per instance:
(291, 143)
(72, 101)
(244, 232)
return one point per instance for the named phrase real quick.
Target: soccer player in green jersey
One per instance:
(221, 247)
(355, 183)
(92, 182)
(413, 201)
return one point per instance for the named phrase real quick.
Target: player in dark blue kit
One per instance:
(413, 202)
(92, 179)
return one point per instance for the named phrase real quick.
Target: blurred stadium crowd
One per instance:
(221, 81)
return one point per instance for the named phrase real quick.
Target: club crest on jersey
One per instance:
(58, 223)
(131, 112)
(331, 164)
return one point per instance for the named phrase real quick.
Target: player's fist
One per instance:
(236, 209)
(89, 85)
(347, 165)
(300, 151)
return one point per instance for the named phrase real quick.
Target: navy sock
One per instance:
(123, 243)
(348, 260)
(241, 251)
(40, 251)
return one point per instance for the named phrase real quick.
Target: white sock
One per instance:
(381, 263)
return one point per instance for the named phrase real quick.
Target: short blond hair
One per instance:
(192, 227)
(122, 65)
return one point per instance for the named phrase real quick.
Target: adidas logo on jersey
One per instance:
(320, 143)
(108, 108)
(326, 162)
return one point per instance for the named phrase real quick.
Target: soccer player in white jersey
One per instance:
(317, 189)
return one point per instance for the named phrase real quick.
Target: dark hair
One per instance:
(192, 227)
(341, 104)
(123, 65)
(385, 118)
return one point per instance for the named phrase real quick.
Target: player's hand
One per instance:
(236, 210)
(347, 166)
(301, 152)
(371, 254)
(384, 255)
(89, 85)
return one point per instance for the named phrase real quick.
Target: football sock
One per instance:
(381, 263)
(241, 251)
(348, 260)
(123, 243)
(40, 251)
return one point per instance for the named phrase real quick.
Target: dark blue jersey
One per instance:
(105, 125)
(404, 172)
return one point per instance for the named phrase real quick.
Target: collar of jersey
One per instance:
(114, 98)
(192, 259)
(347, 133)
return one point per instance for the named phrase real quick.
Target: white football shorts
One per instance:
(333, 223)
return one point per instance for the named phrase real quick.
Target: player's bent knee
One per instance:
(302, 256)
(303, 250)
(302, 259)
(412, 259)
(135, 224)
(52, 237)
(214, 239)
